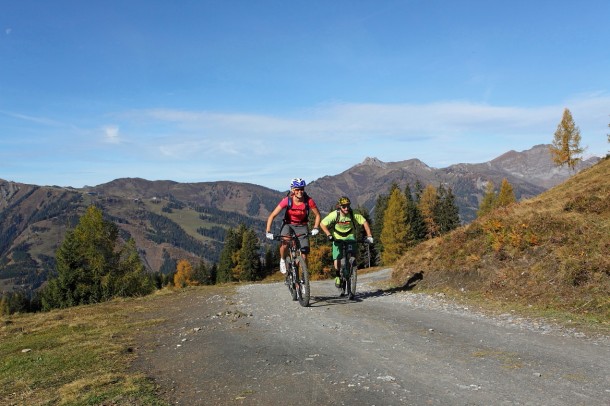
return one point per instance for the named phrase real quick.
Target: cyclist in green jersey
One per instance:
(343, 228)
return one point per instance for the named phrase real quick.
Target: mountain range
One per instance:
(171, 220)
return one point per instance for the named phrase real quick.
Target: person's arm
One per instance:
(316, 222)
(324, 227)
(367, 228)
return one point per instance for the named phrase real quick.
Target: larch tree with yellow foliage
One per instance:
(566, 149)
(427, 206)
(184, 274)
(506, 195)
(396, 233)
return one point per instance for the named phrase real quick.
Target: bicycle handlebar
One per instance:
(278, 237)
(362, 240)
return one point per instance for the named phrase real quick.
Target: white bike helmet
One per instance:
(297, 183)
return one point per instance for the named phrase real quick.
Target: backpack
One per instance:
(354, 224)
(305, 198)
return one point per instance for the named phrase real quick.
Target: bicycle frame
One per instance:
(297, 276)
(347, 268)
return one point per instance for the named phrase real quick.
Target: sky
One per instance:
(263, 91)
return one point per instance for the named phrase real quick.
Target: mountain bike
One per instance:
(297, 276)
(348, 269)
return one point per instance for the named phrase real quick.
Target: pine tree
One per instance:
(203, 274)
(226, 262)
(249, 259)
(414, 217)
(92, 268)
(566, 144)
(84, 258)
(446, 214)
(396, 234)
(130, 278)
(381, 205)
(489, 200)
(366, 252)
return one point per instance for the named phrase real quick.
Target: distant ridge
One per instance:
(171, 220)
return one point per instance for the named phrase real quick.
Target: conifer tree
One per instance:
(427, 207)
(414, 217)
(92, 268)
(446, 212)
(366, 252)
(396, 234)
(5, 308)
(269, 259)
(506, 195)
(566, 149)
(226, 263)
(249, 259)
(381, 205)
(489, 200)
(130, 278)
(184, 274)
(203, 274)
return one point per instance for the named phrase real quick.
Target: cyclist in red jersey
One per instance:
(297, 205)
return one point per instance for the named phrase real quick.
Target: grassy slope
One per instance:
(76, 356)
(550, 252)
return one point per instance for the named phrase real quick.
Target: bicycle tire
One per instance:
(341, 287)
(291, 284)
(351, 283)
(303, 284)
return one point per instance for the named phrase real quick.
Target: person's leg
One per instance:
(284, 232)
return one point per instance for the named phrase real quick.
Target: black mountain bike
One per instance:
(297, 276)
(348, 269)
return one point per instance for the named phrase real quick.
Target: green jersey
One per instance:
(342, 227)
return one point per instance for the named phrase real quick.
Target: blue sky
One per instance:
(264, 91)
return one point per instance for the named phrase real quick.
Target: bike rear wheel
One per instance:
(303, 282)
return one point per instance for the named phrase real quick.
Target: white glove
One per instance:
(315, 231)
(269, 236)
(369, 240)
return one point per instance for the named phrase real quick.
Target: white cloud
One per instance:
(111, 134)
(237, 133)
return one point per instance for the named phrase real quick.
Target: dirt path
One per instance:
(257, 347)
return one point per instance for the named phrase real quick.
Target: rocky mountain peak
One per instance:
(368, 161)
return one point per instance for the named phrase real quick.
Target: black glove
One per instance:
(330, 237)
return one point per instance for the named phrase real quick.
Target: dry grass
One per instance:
(549, 254)
(76, 356)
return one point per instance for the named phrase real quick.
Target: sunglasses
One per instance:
(300, 189)
(345, 206)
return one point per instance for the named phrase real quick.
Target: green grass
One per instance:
(77, 356)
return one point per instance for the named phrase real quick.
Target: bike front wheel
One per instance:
(290, 281)
(351, 283)
(303, 282)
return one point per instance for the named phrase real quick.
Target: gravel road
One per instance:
(258, 347)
